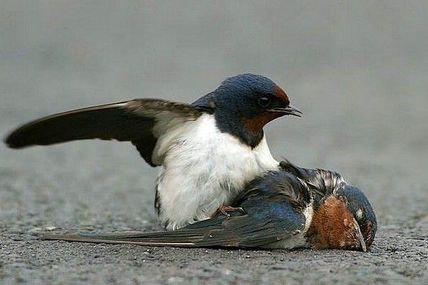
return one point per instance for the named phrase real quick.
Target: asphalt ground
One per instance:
(358, 70)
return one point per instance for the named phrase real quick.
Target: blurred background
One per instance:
(357, 69)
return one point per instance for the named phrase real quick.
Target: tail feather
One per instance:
(139, 238)
(207, 233)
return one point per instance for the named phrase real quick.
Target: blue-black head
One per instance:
(244, 104)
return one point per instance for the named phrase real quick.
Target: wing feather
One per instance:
(260, 227)
(140, 121)
(273, 211)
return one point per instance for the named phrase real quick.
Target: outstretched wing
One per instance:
(267, 220)
(140, 121)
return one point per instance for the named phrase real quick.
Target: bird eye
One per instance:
(264, 101)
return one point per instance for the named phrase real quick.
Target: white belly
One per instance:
(204, 169)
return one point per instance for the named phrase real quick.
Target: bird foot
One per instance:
(225, 210)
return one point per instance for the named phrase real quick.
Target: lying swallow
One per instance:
(283, 209)
(208, 150)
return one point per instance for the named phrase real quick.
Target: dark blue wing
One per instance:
(272, 213)
(132, 121)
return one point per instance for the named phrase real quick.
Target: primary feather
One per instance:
(140, 121)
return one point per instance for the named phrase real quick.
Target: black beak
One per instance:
(360, 237)
(289, 110)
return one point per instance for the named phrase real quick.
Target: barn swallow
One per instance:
(207, 150)
(289, 208)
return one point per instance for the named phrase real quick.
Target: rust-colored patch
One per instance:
(333, 226)
(282, 95)
(257, 123)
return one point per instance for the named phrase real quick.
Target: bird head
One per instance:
(245, 103)
(255, 98)
(343, 220)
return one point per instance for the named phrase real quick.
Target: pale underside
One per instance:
(203, 169)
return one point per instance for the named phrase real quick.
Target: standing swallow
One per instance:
(208, 150)
(290, 208)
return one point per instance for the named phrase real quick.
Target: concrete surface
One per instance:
(358, 70)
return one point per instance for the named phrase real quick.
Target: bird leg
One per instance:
(224, 210)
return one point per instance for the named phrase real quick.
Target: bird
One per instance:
(285, 209)
(207, 150)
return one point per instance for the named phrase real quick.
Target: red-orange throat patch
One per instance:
(332, 227)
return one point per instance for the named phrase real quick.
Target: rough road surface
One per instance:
(357, 70)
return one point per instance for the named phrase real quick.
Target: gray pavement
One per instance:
(358, 70)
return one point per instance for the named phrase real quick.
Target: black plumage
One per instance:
(131, 121)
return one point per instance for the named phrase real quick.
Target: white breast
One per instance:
(203, 169)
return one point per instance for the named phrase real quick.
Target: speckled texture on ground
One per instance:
(357, 69)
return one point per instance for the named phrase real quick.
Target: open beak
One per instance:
(360, 237)
(289, 110)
